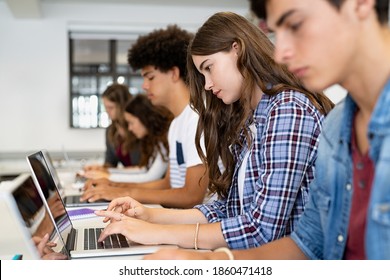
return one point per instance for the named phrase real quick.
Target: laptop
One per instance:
(22, 215)
(42, 165)
(82, 242)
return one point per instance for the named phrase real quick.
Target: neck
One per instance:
(370, 71)
(256, 98)
(180, 98)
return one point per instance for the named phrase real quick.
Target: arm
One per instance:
(96, 189)
(185, 236)
(155, 172)
(282, 249)
(132, 208)
(192, 193)
(276, 177)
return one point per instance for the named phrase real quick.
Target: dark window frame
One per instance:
(93, 72)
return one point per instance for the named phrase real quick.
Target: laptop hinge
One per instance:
(71, 240)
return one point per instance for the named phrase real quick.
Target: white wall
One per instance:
(34, 74)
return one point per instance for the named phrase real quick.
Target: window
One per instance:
(95, 64)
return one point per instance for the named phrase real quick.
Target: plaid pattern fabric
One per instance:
(279, 170)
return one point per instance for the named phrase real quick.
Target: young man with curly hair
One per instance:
(161, 56)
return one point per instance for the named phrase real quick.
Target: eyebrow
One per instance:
(283, 17)
(202, 64)
(146, 73)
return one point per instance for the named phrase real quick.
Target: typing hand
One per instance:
(101, 192)
(126, 206)
(135, 230)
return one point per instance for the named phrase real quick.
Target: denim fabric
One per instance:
(322, 229)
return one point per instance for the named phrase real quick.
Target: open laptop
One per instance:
(82, 242)
(41, 163)
(22, 215)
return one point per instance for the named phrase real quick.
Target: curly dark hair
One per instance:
(381, 8)
(157, 120)
(162, 48)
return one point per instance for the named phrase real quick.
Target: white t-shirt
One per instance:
(241, 171)
(156, 171)
(182, 149)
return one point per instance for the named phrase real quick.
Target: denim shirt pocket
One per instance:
(381, 213)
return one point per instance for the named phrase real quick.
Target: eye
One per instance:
(295, 26)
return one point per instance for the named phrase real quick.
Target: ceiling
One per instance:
(32, 8)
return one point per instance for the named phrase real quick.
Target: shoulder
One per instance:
(287, 102)
(188, 115)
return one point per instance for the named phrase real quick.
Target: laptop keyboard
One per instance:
(91, 236)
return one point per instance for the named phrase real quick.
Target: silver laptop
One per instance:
(42, 164)
(82, 242)
(22, 215)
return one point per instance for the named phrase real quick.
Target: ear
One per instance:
(175, 73)
(235, 47)
(365, 8)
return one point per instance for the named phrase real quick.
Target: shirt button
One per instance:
(348, 187)
(340, 238)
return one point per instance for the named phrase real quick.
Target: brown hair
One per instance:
(156, 119)
(120, 95)
(220, 123)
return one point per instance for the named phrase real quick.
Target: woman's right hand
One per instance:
(126, 206)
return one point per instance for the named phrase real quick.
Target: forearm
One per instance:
(171, 198)
(282, 249)
(208, 236)
(153, 185)
(176, 216)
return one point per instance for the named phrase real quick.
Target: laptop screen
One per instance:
(29, 202)
(46, 185)
(23, 217)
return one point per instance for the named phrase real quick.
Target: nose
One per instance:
(283, 50)
(145, 85)
(208, 85)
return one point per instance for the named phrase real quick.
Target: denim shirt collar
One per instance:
(380, 119)
(379, 125)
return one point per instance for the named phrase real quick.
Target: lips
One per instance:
(216, 92)
(299, 72)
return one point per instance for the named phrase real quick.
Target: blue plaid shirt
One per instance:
(279, 169)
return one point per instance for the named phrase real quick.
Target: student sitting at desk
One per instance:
(329, 42)
(161, 56)
(150, 125)
(258, 119)
(121, 146)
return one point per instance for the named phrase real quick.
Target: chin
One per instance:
(313, 85)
